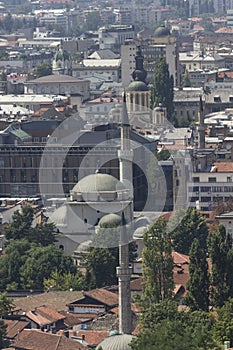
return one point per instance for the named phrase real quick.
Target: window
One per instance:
(196, 179)
(212, 179)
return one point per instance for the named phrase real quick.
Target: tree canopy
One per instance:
(193, 225)
(198, 283)
(157, 265)
(162, 88)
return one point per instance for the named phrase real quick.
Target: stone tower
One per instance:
(124, 271)
(201, 126)
(138, 93)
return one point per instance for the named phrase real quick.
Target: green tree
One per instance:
(221, 252)
(223, 328)
(40, 263)
(173, 329)
(157, 265)
(164, 154)
(42, 70)
(14, 257)
(5, 307)
(93, 20)
(198, 284)
(100, 265)
(20, 227)
(66, 281)
(193, 225)
(162, 88)
(43, 234)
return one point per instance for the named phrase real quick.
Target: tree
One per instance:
(93, 20)
(100, 265)
(5, 307)
(198, 284)
(41, 262)
(221, 253)
(193, 225)
(223, 328)
(173, 329)
(66, 281)
(42, 70)
(14, 257)
(20, 226)
(100, 262)
(157, 265)
(162, 88)
(43, 234)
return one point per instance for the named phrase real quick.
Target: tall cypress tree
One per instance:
(221, 253)
(157, 265)
(162, 88)
(193, 225)
(198, 284)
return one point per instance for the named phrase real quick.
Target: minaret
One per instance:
(124, 271)
(201, 126)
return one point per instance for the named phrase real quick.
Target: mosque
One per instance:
(103, 199)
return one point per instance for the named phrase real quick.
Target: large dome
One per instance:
(116, 342)
(137, 86)
(161, 31)
(95, 183)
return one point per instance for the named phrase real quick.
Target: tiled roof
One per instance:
(55, 300)
(43, 315)
(93, 338)
(14, 327)
(37, 340)
(37, 318)
(223, 167)
(55, 78)
(72, 319)
(49, 313)
(104, 296)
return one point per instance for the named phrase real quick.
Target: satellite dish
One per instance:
(228, 146)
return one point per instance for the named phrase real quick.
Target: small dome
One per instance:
(161, 31)
(59, 216)
(137, 86)
(83, 247)
(110, 219)
(139, 232)
(95, 183)
(116, 342)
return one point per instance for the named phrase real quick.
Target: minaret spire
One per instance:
(125, 155)
(201, 125)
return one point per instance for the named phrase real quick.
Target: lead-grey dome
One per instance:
(161, 31)
(139, 232)
(110, 219)
(97, 183)
(137, 85)
(116, 342)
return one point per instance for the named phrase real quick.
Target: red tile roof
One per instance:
(36, 340)
(92, 338)
(14, 327)
(104, 296)
(222, 167)
(43, 315)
